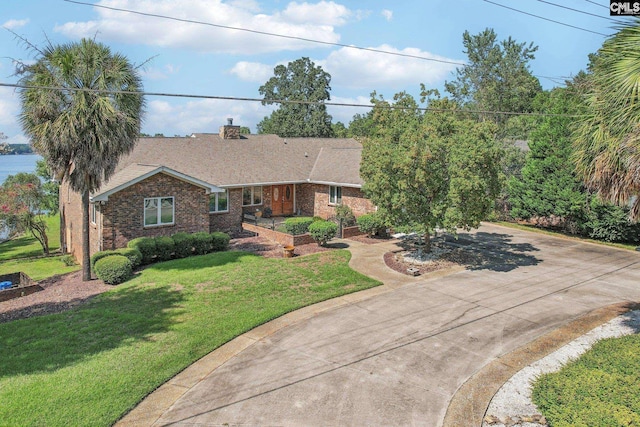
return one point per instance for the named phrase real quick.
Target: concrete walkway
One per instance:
(399, 354)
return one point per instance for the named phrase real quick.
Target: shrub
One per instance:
(220, 241)
(202, 243)
(68, 260)
(183, 244)
(323, 231)
(146, 246)
(134, 255)
(298, 225)
(164, 248)
(113, 269)
(610, 223)
(98, 256)
(370, 223)
(345, 215)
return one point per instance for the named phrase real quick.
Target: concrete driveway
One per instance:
(398, 358)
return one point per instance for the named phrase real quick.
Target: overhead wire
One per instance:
(277, 101)
(582, 11)
(267, 33)
(546, 19)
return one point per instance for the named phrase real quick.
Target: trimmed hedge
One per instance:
(113, 269)
(371, 223)
(146, 246)
(99, 255)
(164, 248)
(134, 255)
(202, 243)
(323, 231)
(220, 241)
(298, 225)
(183, 245)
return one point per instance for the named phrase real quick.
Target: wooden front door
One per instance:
(282, 199)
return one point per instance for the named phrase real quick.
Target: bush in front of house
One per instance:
(113, 269)
(298, 225)
(146, 246)
(371, 223)
(323, 231)
(183, 244)
(345, 216)
(219, 241)
(98, 256)
(202, 243)
(134, 255)
(164, 248)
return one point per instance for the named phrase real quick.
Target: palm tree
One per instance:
(82, 108)
(607, 141)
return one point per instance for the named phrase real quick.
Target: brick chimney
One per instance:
(229, 131)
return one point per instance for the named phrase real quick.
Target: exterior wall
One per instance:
(123, 214)
(313, 200)
(229, 222)
(71, 222)
(283, 238)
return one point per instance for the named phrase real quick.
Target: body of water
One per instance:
(13, 164)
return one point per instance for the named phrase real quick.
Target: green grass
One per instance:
(24, 253)
(90, 365)
(597, 390)
(565, 235)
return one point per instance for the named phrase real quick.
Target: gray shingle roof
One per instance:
(250, 160)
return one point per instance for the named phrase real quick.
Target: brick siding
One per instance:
(229, 222)
(313, 200)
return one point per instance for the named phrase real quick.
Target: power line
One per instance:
(266, 33)
(277, 101)
(542, 17)
(597, 4)
(190, 21)
(582, 11)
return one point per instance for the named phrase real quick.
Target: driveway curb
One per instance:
(470, 402)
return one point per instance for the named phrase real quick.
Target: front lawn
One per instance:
(90, 365)
(24, 253)
(597, 390)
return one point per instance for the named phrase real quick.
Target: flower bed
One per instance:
(21, 285)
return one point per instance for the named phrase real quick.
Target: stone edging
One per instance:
(470, 402)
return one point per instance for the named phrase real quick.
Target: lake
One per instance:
(13, 164)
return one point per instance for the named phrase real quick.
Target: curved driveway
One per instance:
(397, 358)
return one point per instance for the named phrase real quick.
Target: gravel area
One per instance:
(512, 406)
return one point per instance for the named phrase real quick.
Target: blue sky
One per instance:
(203, 60)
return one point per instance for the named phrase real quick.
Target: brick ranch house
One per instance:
(206, 182)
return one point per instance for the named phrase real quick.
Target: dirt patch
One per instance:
(364, 238)
(396, 261)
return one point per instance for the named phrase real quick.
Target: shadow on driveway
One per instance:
(489, 251)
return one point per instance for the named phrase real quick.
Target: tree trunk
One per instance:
(86, 264)
(427, 242)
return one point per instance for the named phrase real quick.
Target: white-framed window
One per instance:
(158, 211)
(252, 195)
(219, 202)
(335, 195)
(94, 213)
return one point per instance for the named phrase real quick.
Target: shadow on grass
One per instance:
(490, 251)
(215, 259)
(9, 248)
(121, 317)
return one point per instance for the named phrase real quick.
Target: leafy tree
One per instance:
(244, 130)
(339, 130)
(21, 198)
(549, 185)
(50, 188)
(362, 124)
(83, 128)
(497, 77)
(304, 87)
(436, 170)
(607, 141)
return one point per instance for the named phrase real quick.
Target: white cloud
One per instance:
(252, 71)
(360, 69)
(14, 24)
(124, 27)
(323, 13)
(387, 14)
(154, 73)
(201, 116)
(9, 108)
